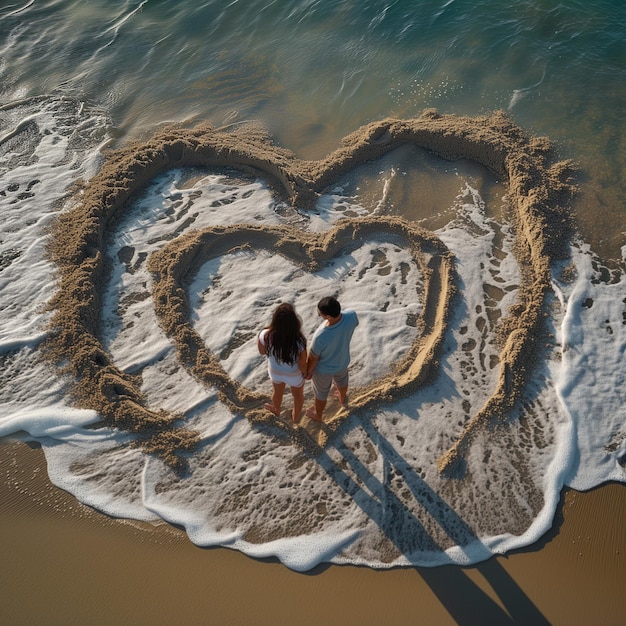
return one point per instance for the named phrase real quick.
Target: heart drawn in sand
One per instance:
(538, 192)
(178, 260)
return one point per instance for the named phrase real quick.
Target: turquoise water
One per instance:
(314, 71)
(77, 76)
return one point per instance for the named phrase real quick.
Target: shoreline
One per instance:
(540, 189)
(67, 563)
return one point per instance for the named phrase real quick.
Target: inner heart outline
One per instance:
(539, 192)
(176, 263)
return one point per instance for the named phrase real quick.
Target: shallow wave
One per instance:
(374, 495)
(313, 71)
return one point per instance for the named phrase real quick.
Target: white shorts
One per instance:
(293, 380)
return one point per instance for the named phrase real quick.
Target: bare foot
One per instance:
(310, 413)
(272, 409)
(296, 420)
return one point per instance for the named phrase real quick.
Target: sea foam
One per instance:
(373, 496)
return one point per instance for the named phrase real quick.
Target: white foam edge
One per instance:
(60, 423)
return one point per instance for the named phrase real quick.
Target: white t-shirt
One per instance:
(278, 366)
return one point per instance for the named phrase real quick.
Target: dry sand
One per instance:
(63, 563)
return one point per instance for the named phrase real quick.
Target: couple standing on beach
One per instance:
(326, 362)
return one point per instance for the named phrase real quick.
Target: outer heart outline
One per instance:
(174, 264)
(539, 192)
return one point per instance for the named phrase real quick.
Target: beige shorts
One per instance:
(323, 382)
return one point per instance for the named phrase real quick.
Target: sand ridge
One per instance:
(174, 264)
(539, 191)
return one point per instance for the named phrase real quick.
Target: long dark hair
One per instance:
(285, 340)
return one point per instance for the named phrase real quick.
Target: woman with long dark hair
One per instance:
(285, 346)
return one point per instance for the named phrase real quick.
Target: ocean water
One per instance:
(79, 77)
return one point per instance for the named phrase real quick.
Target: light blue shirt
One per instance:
(332, 344)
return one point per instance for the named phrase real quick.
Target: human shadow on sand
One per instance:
(466, 602)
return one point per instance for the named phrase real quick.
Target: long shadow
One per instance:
(383, 506)
(519, 606)
(464, 600)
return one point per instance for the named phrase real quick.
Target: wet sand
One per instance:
(63, 563)
(540, 189)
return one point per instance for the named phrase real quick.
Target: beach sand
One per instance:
(540, 190)
(63, 563)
